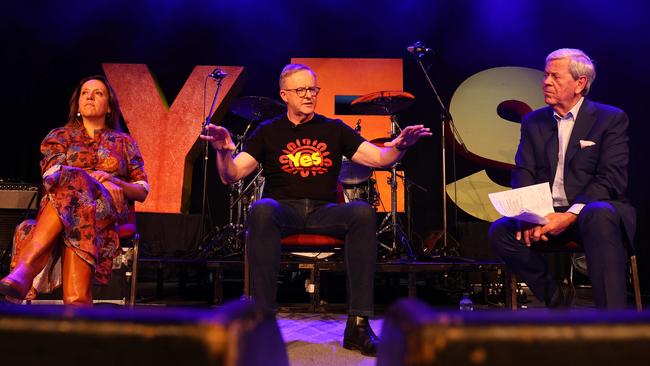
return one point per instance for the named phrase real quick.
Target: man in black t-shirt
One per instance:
(301, 153)
(303, 160)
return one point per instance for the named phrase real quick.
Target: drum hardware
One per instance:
(353, 173)
(255, 109)
(389, 103)
(364, 191)
(382, 103)
(391, 223)
(228, 240)
(408, 183)
(387, 223)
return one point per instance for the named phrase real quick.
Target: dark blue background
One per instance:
(46, 48)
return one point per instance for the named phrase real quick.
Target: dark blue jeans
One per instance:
(598, 230)
(355, 222)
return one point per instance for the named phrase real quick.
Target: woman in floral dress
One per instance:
(91, 172)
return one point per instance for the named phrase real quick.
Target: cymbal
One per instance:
(382, 102)
(255, 108)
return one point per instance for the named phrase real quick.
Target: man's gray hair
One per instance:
(291, 69)
(579, 64)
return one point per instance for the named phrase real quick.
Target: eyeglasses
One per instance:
(302, 92)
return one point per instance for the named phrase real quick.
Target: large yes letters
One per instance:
(489, 137)
(167, 136)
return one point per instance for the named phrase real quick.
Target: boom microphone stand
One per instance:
(419, 51)
(217, 75)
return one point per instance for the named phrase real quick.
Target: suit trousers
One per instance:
(598, 230)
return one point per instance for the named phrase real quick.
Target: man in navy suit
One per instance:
(580, 148)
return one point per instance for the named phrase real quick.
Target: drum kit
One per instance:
(356, 180)
(388, 103)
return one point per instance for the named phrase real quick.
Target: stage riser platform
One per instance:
(393, 280)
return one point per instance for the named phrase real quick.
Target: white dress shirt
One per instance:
(564, 128)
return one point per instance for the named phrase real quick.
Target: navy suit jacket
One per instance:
(591, 174)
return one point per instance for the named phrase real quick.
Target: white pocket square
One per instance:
(586, 143)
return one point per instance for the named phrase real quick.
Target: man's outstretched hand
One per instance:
(409, 136)
(218, 137)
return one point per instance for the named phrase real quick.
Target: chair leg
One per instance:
(635, 283)
(510, 287)
(314, 296)
(247, 283)
(412, 285)
(134, 270)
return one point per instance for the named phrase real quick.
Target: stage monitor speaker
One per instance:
(415, 334)
(18, 201)
(19, 196)
(9, 219)
(238, 333)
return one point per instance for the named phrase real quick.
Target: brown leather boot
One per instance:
(33, 255)
(77, 279)
(18, 283)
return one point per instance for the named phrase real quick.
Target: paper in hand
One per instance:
(528, 204)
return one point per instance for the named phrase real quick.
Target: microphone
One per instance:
(418, 49)
(217, 74)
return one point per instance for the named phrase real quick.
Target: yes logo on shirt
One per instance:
(305, 157)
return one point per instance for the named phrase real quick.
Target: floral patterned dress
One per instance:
(85, 207)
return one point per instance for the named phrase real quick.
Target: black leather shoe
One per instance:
(359, 335)
(563, 296)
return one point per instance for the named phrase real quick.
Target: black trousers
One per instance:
(355, 222)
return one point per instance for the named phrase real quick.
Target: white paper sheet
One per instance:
(528, 204)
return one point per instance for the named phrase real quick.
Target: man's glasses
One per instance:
(302, 92)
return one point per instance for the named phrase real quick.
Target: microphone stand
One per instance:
(219, 80)
(227, 238)
(445, 118)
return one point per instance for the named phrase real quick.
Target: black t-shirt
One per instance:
(302, 161)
